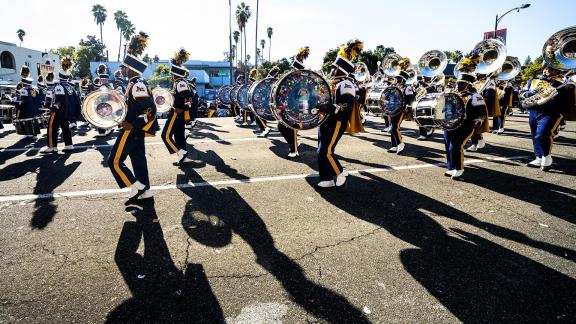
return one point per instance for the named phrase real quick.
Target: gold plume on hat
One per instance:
(24, 71)
(84, 82)
(66, 63)
(351, 49)
(137, 44)
(180, 57)
(404, 63)
(303, 54)
(118, 74)
(469, 63)
(253, 73)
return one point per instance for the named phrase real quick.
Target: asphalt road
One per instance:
(242, 236)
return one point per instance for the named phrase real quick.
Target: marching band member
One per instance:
(329, 133)
(119, 82)
(103, 77)
(491, 99)
(476, 110)
(140, 122)
(41, 89)
(545, 119)
(173, 133)
(57, 100)
(506, 91)
(195, 102)
(84, 89)
(27, 103)
(409, 96)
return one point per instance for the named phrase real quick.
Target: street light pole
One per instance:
(230, 38)
(498, 18)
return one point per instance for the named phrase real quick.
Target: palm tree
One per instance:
(127, 32)
(99, 13)
(21, 33)
(262, 44)
(243, 14)
(236, 36)
(120, 18)
(270, 32)
(256, 38)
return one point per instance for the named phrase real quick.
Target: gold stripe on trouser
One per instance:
(50, 130)
(462, 149)
(295, 141)
(399, 135)
(169, 130)
(117, 159)
(553, 131)
(329, 153)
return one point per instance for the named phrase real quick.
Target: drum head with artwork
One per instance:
(295, 97)
(450, 111)
(234, 94)
(224, 95)
(242, 96)
(394, 99)
(104, 108)
(259, 96)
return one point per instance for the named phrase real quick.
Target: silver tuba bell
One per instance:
(432, 63)
(559, 51)
(390, 64)
(509, 69)
(163, 99)
(362, 74)
(492, 55)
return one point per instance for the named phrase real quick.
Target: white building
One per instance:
(13, 57)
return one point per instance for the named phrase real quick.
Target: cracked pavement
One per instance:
(401, 244)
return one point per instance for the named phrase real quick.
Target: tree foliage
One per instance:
(369, 57)
(532, 70)
(90, 50)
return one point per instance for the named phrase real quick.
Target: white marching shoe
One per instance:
(457, 174)
(421, 137)
(326, 184)
(481, 144)
(393, 149)
(265, 132)
(46, 150)
(472, 148)
(546, 163)
(449, 173)
(536, 163)
(400, 148)
(292, 155)
(146, 195)
(182, 158)
(345, 173)
(253, 124)
(340, 180)
(68, 148)
(136, 190)
(387, 129)
(500, 131)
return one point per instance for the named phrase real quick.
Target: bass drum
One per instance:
(242, 96)
(163, 99)
(234, 94)
(259, 98)
(394, 102)
(425, 108)
(104, 108)
(294, 97)
(375, 102)
(450, 111)
(224, 95)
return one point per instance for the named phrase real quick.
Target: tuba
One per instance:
(362, 74)
(510, 69)
(432, 63)
(559, 52)
(104, 108)
(390, 64)
(163, 99)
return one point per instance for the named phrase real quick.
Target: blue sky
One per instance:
(410, 26)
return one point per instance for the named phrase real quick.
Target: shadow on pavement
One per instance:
(161, 292)
(475, 279)
(212, 215)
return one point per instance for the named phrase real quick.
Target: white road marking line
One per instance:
(226, 182)
(96, 146)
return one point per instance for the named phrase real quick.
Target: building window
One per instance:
(7, 60)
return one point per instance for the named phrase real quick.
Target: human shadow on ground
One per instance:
(475, 279)
(212, 215)
(161, 292)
